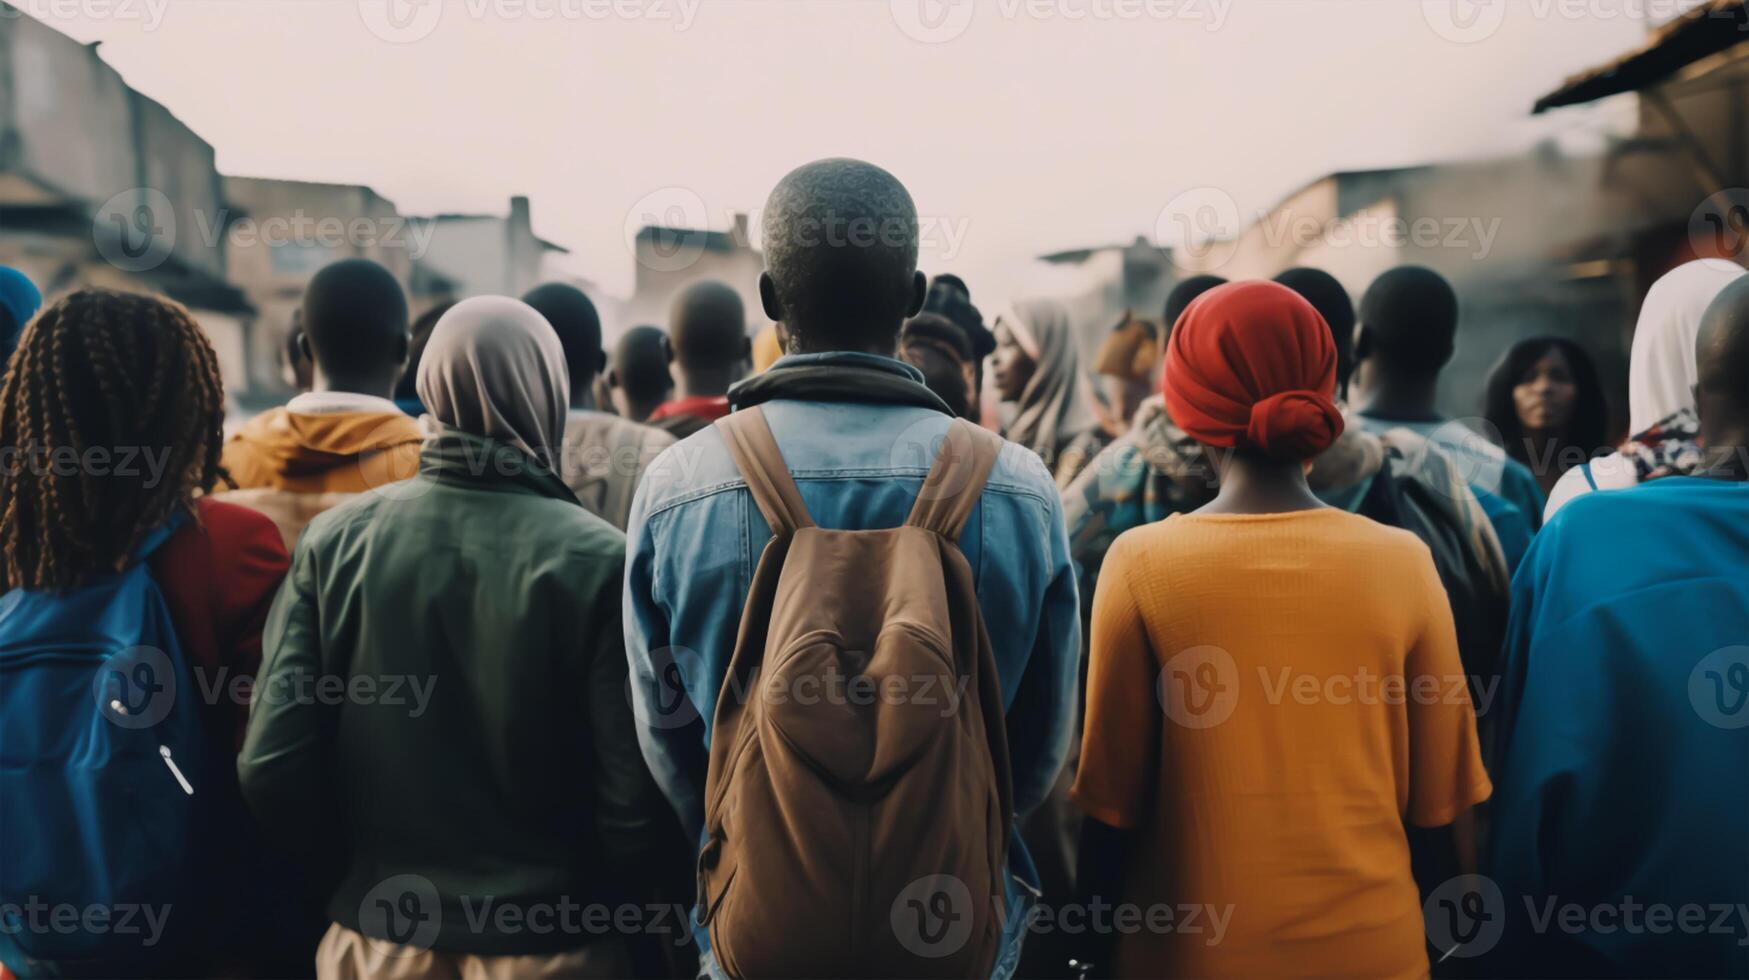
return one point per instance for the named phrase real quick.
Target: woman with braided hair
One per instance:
(111, 418)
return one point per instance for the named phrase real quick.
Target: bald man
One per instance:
(638, 372)
(707, 328)
(858, 430)
(1406, 333)
(1625, 721)
(603, 456)
(345, 435)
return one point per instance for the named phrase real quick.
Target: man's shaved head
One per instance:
(708, 327)
(354, 319)
(1409, 319)
(573, 317)
(1722, 372)
(841, 256)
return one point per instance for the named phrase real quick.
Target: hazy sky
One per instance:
(1020, 126)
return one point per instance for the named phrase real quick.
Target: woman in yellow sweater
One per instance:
(1274, 690)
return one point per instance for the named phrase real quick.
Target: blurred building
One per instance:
(284, 231)
(477, 254)
(1509, 233)
(668, 259)
(100, 185)
(1099, 285)
(1680, 179)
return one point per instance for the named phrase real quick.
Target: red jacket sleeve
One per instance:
(219, 575)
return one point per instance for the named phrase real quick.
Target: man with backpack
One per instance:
(845, 604)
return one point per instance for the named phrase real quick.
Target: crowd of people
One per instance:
(495, 652)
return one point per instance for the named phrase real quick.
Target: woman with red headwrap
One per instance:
(1274, 691)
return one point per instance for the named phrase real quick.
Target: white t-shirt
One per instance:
(1612, 472)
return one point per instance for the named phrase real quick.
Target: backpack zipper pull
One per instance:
(164, 753)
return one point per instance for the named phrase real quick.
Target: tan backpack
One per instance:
(858, 801)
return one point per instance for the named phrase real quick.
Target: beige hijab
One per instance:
(493, 367)
(1056, 406)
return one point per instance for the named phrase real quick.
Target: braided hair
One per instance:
(111, 419)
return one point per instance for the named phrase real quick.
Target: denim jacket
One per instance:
(695, 536)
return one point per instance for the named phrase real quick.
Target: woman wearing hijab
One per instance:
(1661, 376)
(1037, 366)
(1547, 405)
(441, 718)
(1274, 689)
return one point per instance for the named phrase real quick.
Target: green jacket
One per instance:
(442, 710)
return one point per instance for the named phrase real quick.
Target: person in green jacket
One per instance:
(441, 721)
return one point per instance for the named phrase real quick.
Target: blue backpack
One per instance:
(102, 753)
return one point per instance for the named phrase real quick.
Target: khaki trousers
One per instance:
(348, 955)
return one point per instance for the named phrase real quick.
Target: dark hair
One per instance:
(948, 297)
(1410, 315)
(707, 326)
(355, 316)
(1331, 300)
(952, 281)
(841, 239)
(1588, 428)
(112, 371)
(573, 317)
(1182, 295)
(640, 363)
(937, 346)
(407, 388)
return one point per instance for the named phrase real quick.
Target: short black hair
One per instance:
(1410, 315)
(1722, 354)
(841, 239)
(1590, 425)
(640, 363)
(707, 326)
(355, 316)
(1182, 294)
(1330, 298)
(407, 389)
(573, 317)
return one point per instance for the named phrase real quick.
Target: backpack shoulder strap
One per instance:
(756, 455)
(957, 479)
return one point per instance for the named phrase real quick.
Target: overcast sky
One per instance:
(1020, 126)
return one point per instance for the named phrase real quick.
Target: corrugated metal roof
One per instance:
(1707, 29)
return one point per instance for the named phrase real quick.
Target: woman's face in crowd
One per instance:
(1010, 365)
(1546, 394)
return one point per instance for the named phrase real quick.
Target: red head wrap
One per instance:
(1251, 365)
